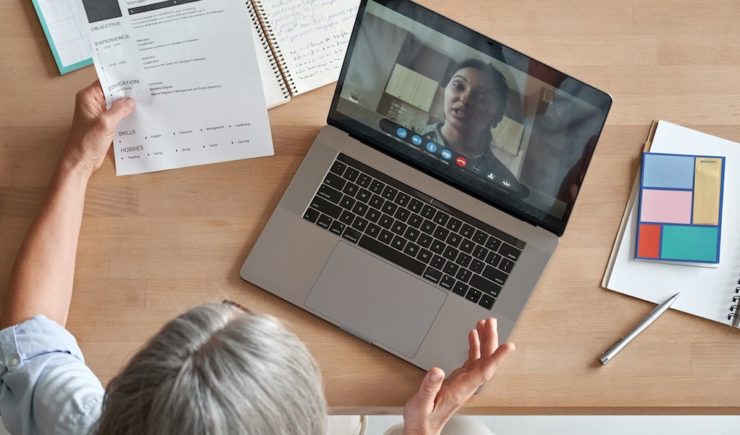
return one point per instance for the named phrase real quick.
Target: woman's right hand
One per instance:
(437, 400)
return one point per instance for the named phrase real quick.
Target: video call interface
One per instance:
(515, 136)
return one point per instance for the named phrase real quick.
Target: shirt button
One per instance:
(13, 362)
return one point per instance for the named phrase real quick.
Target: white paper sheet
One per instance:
(191, 66)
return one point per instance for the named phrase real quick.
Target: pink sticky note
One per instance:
(668, 206)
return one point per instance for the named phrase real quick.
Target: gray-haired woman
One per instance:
(216, 369)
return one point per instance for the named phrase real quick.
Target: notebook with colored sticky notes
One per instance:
(683, 211)
(680, 208)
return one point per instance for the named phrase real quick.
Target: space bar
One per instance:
(392, 255)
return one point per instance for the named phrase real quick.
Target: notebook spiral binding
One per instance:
(261, 23)
(734, 315)
(267, 28)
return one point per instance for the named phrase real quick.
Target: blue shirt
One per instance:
(45, 386)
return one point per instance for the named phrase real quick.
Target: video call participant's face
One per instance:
(471, 104)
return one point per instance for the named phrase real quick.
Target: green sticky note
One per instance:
(690, 243)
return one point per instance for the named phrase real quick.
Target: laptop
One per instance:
(437, 192)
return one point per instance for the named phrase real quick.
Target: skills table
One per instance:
(153, 245)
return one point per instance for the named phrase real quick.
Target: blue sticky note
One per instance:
(668, 171)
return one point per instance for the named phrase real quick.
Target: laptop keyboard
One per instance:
(456, 252)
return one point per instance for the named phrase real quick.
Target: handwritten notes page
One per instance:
(312, 36)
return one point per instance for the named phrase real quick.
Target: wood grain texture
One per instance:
(154, 245)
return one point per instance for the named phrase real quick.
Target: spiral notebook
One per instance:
(711, 293)
(300, 43)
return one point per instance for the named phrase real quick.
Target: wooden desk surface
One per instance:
(154, 245)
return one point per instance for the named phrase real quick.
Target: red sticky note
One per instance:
(648, 243)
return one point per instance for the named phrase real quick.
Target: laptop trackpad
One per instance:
(379, 301)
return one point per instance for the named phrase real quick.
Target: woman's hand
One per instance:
(427, 412)
(93, 128)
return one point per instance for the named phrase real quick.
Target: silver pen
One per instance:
(647, 321)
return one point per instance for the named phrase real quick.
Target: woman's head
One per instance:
(217, 370)
(475, 97)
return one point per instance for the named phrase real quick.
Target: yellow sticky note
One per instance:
(707, 190)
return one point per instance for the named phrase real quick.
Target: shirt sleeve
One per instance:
(45, 386)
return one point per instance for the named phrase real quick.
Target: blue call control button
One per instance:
(416, 140)
(402, 132)
(431, 147)
(446, 154)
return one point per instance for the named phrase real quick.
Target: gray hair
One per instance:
(217, 370)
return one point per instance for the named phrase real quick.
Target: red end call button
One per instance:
(460, 161)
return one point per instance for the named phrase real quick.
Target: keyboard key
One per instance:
(467, 231)
(467, 246)
(347, 217)
(364, 180)
(428, 226)
(485, 285)
(398, 243)
(372, 230)
(327, 192)
(324, 221)
(376, 186)
(337, 167)
(506, 265)
(351, 189)
(373, 215)
(334, 181)
(463, 275)
(454, 224)
(447, 282)
(450, 253)
(326, 207)
(425, 240)
(441, 218)
(460, 288)
(376, 202)
(441, 232)
(402, 214)
(432, 275)
(411, 249)
(385, 236)
(311, 215)
(427, 211)
(402, 199)
(493, 259)
(495, 275)
(477, 266)
(493, 243)
(359, 224)
(352, 235)
(486, 301)
(351, 173)
(480, 252)
(509, 251)
(473, 295)
(463, 259)
(363, 195)
(424, 255)
(398, 228)
(437, 262)
(411, 234)
(415, 205)
(386, 221)
(389, 208)
(347, 202)
(337, 228)
(437, 247)
(454, 240)
(360, 209)
(415, 220)
(389, 193)
(392, 255)
(480, 237)
(450, 268)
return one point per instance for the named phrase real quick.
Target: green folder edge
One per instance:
(62, 69)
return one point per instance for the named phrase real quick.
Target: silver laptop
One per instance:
(437, 192)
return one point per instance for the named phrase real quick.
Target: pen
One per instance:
(647, 321)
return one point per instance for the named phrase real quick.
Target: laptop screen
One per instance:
(468, 110)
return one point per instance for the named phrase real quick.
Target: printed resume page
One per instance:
(192, 69)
